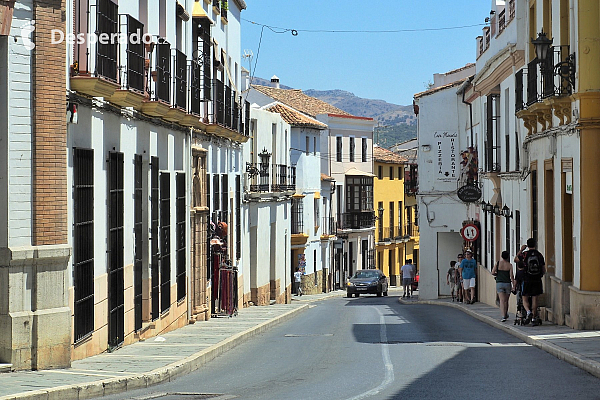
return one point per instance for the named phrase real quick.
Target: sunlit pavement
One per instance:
(580, 348)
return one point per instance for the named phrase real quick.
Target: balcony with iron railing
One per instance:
(153, 78)
(356, 220)
(549, 84)
(411, 230)
(328, 227)
(284, 178)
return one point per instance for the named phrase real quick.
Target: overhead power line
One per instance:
(278, 29)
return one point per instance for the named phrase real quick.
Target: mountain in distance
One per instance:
(396, 124)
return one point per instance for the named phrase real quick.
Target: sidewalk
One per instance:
(156, 360)
(580, 348)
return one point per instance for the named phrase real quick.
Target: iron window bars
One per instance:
(107, 18)
(162, 72)
(154, 236)
(135, 55)
(165, 241)
(116, 283)
(181, 249)
(83, 240)
(297, 216)
(138, 241)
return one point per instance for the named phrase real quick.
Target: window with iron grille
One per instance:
(135, 55)
(228, 101)
(352, 148)
(195, 87)
(247, 118)
(180, 89)
(165, 241)
(391, 233)
(364, 149)
(181, 211)
(216, 191)
(107, 23)
(507, 234)
(297, 215)
(517, 229)
(338, 147)
(225, 195)
(138, 242)
(492, 142)
(519, 91)
(116, 283)
(492, 240)
(532, 81)
(202, 57)
(380, 220)
(219, 101)
(238, 217)
(155, 236)
(83, 242)
(163, 71)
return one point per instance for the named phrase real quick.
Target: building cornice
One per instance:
(498, 68)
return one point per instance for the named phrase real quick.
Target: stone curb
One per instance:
(575, 359)
(113, 386)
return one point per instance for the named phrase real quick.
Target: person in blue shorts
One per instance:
(468, 267)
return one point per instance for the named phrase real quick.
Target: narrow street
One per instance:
(370, 347)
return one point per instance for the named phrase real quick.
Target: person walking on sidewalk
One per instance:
(459, 282)
(468, 266)
(451, 278)
(407, 277)
(505, 282)
(535, 268)
(298, 281)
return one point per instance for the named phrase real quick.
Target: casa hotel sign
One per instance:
(469, 193)
(446, 148)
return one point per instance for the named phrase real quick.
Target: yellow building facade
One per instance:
(388, 194)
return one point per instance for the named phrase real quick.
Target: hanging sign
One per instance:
(446, 148)
(470, 232)
(469, 193)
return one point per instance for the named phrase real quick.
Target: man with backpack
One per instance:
(535, 267)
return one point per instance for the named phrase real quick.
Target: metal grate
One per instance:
(297, 216)
(163, 71)
(238, 217)
(138, 241)
(165, 241)
(83, 240)
(180, 81)
(154, 236)
(135, 55)
(181, 242)
(116, 286)
(107, 23)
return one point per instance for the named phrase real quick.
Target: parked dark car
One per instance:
(367, 281)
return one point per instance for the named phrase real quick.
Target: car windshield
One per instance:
(366, 274)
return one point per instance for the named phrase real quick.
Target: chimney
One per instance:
(275, 81)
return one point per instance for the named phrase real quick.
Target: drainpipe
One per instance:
(470, 111)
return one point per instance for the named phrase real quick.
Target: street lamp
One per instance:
(542, 45)
(506, 212)
(497, 210)
(483, 206)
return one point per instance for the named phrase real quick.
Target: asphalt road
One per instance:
(370, 347)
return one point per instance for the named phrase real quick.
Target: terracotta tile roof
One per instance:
(294, 118)
(296, 99)
(410, 155)
(386, 156)
(440, 88)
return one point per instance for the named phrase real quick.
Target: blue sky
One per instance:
(388, 66)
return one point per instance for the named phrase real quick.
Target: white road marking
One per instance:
(573, 335)
(387, 361)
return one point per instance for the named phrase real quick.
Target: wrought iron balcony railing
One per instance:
(411, 230)
(356, 220)
(328, 226)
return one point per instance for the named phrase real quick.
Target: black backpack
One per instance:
(533, 263)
